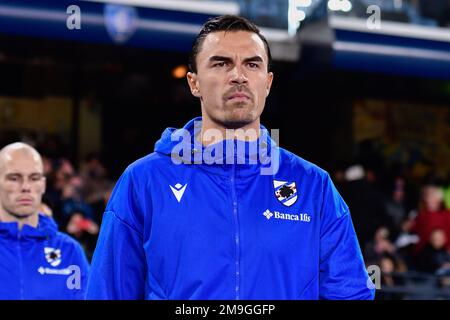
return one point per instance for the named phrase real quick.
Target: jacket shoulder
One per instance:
(151, 160)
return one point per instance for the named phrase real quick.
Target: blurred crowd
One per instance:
(403, 226)
(76, 199)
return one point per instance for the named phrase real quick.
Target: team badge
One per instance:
(285, 192)
(53, 256)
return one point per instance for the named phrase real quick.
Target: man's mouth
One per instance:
(25, 201)
(239, 96)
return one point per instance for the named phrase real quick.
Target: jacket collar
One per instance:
(245, 157)
(46, 228)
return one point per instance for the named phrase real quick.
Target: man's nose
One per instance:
(238, 75)
(26, 187)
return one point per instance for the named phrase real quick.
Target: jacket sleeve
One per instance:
(118, 267)
(342, 271)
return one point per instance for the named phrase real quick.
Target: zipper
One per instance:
(236, 224)
(19, 253)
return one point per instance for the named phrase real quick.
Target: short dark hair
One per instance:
(225, 23)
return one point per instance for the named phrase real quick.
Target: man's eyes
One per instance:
(34, 178)
(253, 65)
(220, 64)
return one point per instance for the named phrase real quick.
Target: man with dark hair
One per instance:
(225, 23)
(219, 211)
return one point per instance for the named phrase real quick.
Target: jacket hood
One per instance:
(183, 147)
(46, 228)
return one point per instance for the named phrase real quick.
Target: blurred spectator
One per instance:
(434, 255)
(395, 206)
(78, 224)
(77, 214)
(432, 215)
(94, 177)
(379, 246)
(84, 230)
(72, 199)
(390, 267)
(57, 180)
(64, 172)
(365, 203)
(406, 242)
(387, 266)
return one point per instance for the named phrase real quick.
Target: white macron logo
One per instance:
(178, 191)
(304, 217)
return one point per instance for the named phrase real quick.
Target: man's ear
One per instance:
(269, 82)
(192, 82)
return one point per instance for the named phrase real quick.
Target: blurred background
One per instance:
(362, 89)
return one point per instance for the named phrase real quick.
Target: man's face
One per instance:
(232, 80)
(432, 197)
(22, 183)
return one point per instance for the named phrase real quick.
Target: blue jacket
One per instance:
(35, 263)
(226, 231)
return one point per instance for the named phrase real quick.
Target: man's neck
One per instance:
(31, 220)
(212, 132)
